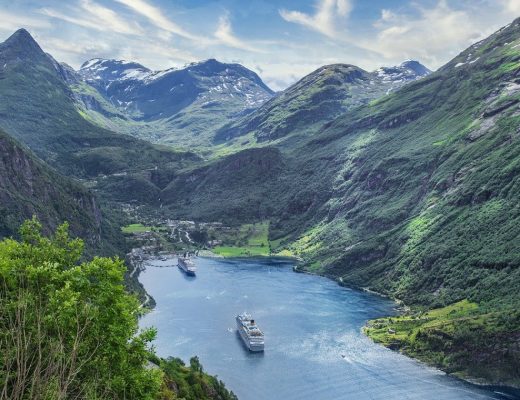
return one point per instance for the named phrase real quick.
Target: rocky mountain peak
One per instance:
(21, 46)
(146, 95)
(213, 68)
(21, 37)
(408, 70)
(109, 70)
(415, 66)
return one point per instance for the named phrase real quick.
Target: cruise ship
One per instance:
(252, 336)
(186, 264)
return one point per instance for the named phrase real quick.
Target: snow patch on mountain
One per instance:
(207, 83)
(409, 70)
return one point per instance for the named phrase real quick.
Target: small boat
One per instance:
(186, 264)
(250, 333)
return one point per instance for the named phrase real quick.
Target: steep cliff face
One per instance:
(28, 187)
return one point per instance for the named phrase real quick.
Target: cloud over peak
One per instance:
(92, 15)
(224, 34)
(424, 34)
(324, 20)
(263, 33)
(156, 17)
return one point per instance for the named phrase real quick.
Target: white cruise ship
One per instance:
(250, 333)
(186, 265)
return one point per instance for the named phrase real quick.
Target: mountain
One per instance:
(398, 181)
(425, 206)
(318, 98)
(427, 164)
(38, 108)
(407, 71)
(220, 188)
(413, 195)
(29, 187)
(175, 106)
(150, 95)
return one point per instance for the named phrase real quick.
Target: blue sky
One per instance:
(281, 40)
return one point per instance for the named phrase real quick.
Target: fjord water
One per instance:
(314, 348)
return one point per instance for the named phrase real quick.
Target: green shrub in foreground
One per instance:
(68, 330)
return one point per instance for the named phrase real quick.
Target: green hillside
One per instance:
(433, 189)
(37, 108)
(179, 107)
(414, 195)
(29, 187)
(303, 108)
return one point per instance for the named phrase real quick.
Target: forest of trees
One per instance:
(69, 329)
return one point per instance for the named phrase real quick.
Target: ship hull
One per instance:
(250, 345)
(186, 266)
(186, 271)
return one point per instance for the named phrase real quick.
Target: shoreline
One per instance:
(210, 254)
(511, 392)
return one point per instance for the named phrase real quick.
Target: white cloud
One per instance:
(156, 17)
(49, 12)
(279, 75)
(10, 22)
(513, 6)
(57, 47)
(224, 34)
(108, 17)
(344, 7)
(92, 15)
(141, 30)
(153, 54)
(325, 18)
(431, 35)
